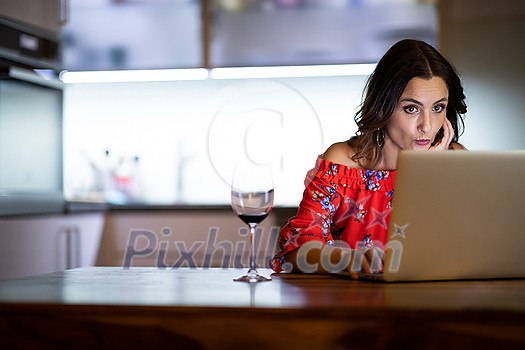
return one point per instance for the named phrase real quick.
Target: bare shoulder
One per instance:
(457, 146)
(340, 153)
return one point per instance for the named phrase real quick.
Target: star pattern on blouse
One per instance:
(354, 206)
(379, 218)
(399, 230)
(291, 239)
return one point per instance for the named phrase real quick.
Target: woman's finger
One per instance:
(375, 258)
(448, 135)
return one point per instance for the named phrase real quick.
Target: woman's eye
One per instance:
(439, 108)
(410, 109)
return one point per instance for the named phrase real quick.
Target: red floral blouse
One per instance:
(339, 203)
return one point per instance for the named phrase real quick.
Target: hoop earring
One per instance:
(380, 137)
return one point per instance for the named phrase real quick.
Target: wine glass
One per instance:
(252, 201)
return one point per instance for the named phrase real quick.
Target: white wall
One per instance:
(188, 135)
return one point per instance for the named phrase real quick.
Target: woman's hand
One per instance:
(367, 261)
(448, 135)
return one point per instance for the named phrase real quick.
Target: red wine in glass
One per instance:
(252, 200)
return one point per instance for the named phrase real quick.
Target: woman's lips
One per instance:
(422, 142)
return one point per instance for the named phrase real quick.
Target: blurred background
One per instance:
(181, 134)
(163, 128)
(158, 99)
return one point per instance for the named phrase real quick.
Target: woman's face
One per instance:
(418, 116)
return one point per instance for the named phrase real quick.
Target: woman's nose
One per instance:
(424, 123)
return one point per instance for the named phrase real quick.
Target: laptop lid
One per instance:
(457, 215)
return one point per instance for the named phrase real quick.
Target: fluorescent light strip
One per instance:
(134, 75)
(292, 71)
(216, 73)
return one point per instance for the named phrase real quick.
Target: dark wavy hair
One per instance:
(405, 60)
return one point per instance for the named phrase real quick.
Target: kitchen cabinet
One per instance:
(139, 34)
(190, 237)
(144, 34)
(315, 32)
(30, 143)
(30, 33)
(31, 245)
(47, 15)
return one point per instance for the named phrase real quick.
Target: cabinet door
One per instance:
(32, 246)
(112, 35)
(48, 15)
(83, 236)
(191, 238)
(304, 32)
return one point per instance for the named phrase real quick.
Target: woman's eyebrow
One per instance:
(444, 99)
(412, 100)
(408, 99)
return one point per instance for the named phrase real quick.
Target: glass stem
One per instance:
(253, 264)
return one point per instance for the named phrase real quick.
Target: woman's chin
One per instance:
(420, 148)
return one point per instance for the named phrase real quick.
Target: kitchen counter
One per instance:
(13, 204)
(84, 206)
(30, 204)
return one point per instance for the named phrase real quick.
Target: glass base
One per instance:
(252, 276)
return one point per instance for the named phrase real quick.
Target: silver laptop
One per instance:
(457, 215)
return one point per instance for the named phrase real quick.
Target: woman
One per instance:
(414, 101)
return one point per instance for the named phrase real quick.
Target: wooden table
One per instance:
(115, 308)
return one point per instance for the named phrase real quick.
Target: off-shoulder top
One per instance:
(339, 203)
